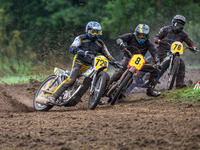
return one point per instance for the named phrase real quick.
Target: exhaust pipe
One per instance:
(41, 100)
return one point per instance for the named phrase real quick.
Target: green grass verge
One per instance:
(185, 95)
(20, 79)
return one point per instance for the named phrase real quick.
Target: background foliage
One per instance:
(38, 33)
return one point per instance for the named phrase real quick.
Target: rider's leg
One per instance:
(138, 80)
(181, 75)
(164, 67)
(77, 68)
(153, 80)
(67, 82)
(118, 72)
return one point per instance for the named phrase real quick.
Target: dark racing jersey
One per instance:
(133, 45)
(83, 42)
(167, 37)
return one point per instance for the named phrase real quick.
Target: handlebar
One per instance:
(164, 41)
(133, 48)
(116, 65)
(192, 49)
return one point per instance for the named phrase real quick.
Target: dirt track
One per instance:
(137, 122)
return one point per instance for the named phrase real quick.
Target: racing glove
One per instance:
(194, 49)
(81, 52)
(157, 41)
(122, 46)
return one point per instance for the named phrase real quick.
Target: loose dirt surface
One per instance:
(136, 122)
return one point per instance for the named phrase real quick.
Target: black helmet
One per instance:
(178, 23)
(142, 33)
(93, 30)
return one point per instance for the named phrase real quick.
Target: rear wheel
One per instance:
(99, 88)
(173, 73)
(40, 92)
(122, 87)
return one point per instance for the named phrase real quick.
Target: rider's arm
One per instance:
(161, 34)
(74, 48)
(106, 53)
(187, 40)
(123, 38)
(153, 51)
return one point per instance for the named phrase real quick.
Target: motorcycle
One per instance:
(142, 78)
(96, 78)
(135, 64)
(173, 61)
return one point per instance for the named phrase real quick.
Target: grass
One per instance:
(20, 79)
(193, 67)
(185, 95)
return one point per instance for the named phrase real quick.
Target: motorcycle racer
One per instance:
(173, 33)
(81, 47)
(140, 40)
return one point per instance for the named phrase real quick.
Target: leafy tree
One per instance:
(48, 27)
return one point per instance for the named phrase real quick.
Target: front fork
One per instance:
(131, 69)
(94, 77)
(170, 64)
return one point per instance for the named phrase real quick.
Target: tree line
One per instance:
(31, 32)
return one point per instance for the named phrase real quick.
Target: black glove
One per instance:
(116, 64)
(194, 49)
(122, 46)
(157, 41)
(81, 52)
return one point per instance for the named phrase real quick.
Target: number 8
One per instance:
(137, 60)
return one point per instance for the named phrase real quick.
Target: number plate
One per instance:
(58, 71)
(100, 61)
(177, 47)
(137, 61)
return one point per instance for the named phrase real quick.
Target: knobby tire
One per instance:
(119, 91)
(44, 107)
(96, 96)
(174, 72)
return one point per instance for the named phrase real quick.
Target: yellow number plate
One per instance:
(177, 47)
(137, 61)
(100, 61)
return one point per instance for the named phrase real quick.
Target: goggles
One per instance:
(178, 25)
(142, 35)
(95, 32)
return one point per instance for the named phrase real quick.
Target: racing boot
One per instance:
(179, 86)
(152, 92)
(101, 102)
(46, 100)
(180, 82)
(109, 100)
(151, 89)
(180, 76)
(122, 95)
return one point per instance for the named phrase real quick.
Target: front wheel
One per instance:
(173, 73)
(40, 92)
(122, 87)
(99, 88)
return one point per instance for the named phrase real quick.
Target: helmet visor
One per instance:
(142, 35)
(178, 25)
(95, 32)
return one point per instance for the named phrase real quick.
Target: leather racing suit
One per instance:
(133, 44)
(168, 36)
(82, 63)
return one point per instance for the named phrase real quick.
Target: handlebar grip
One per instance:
(116, 65)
